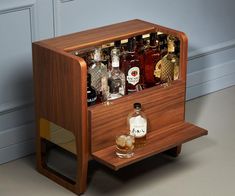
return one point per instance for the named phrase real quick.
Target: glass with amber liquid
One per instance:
(152, 56)
(137, 123)
(125, 146)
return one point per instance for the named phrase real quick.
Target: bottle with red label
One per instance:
(132, 68)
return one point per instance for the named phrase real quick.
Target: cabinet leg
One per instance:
(81, 182)
(174, 152)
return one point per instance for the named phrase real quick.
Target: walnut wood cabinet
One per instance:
(64, 119)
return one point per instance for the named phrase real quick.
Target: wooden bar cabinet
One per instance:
(63, 118)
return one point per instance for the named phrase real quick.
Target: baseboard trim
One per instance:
(17, 151)
(15, 106)
(210, 86)
(17, 134)
(209, 74)
(211, 50)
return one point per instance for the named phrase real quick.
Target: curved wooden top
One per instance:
(99, 36)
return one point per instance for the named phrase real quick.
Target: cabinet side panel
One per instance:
(60, 97)
(58, 87)
(163, 106)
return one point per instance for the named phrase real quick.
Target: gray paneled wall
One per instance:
(208, 24)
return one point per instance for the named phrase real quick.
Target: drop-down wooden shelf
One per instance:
(64, 120)
(157, 141)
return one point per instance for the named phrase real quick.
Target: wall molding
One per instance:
(16, 151)
(17, 135)
(64, 1)
(15, 6)
(211, 49)
(214, 78)
(14, 106)
(212, 73)
(56, 10)
(19, 6)
(210, 80)
(210, 86)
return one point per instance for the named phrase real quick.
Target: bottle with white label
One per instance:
(137, 122)
(132, 67)
(116, 81)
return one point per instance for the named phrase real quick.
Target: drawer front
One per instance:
(162, 105)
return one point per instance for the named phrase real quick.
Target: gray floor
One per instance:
(206, 166)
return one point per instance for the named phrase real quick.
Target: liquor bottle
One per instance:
(114, 51)
(140, 50)
(162, 43)
(131, 67)
(177, 52)
(117, 45)
(116, 81)
(168, 63)
(137, 123)
(152, 56)
(99, 76)
(91, 92)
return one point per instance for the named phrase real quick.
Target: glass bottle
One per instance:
(140, 53)
(168, 63)
(131, 67)
(162, 43)
(152, 56)
(117, 45)
(109, 54)
(91, 92)
(116, 81)
(177, 52)
(137, 123)
(99, 76)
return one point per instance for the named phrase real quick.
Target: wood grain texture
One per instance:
(157, 141)
(162, 105)
(60, 97)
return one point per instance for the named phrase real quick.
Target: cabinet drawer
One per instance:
(162, 105)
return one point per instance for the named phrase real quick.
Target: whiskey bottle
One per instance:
(131, 67)
(162, 43)
(177, 52)
(116, 81)
(137, 123)
(117, 45)
(168, 63)
(91, 92)
(140, 50)
(152, 56)
(99, 76)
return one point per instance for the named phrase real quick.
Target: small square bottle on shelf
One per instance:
(137, 123)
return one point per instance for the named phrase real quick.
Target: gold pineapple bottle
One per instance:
(168, 67)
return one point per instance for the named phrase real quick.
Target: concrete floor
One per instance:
(206, 166)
